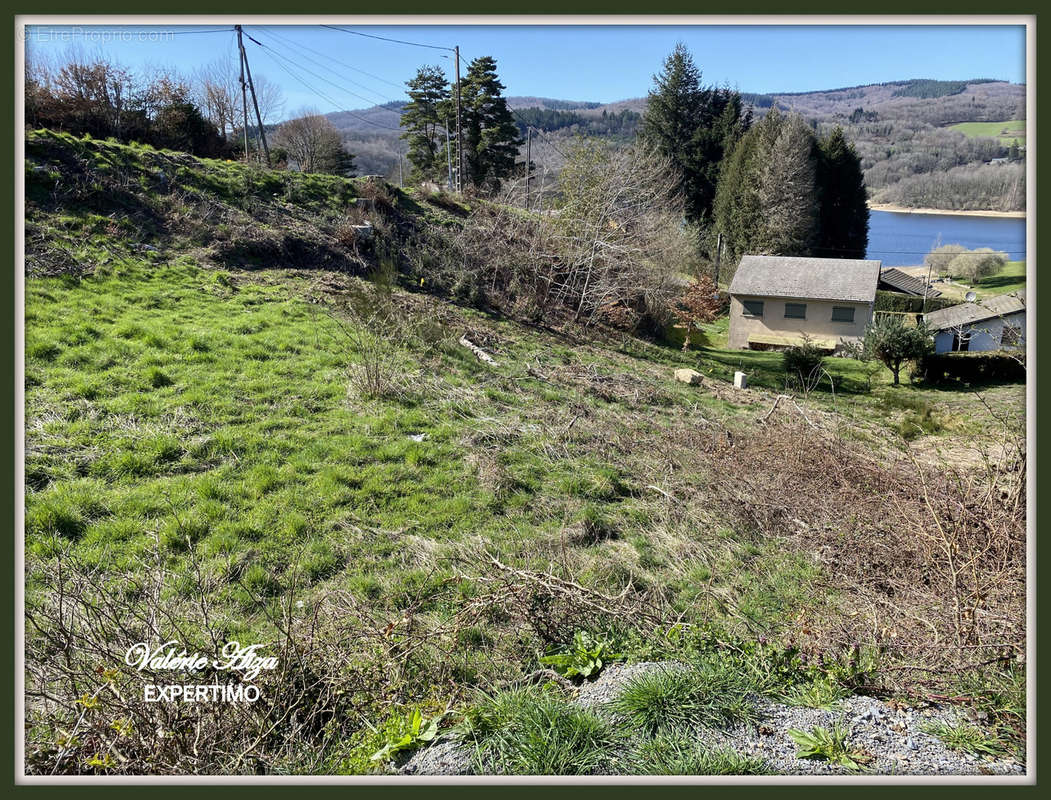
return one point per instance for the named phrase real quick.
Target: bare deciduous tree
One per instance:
(619, 232)
(312, 142)
(217, 88)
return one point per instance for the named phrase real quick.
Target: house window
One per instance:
(842, 313)
(795, 310)
(752, 308)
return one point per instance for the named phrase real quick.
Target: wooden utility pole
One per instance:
(718, 255)
(927, 286)
(529, 142)
(449, 154)
(459, 128)
(255, 100)
(244, 87)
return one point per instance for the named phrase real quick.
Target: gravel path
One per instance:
(892, 735)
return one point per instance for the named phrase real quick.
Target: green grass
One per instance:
(966, 738)
(712, 694)
(1010, 279)
(533, 732)
(1007, 131)
(822, 693)
(184, 420)
(682, 755)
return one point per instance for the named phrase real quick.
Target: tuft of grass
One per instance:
(825, 694)
(966, 738)
(671, 755)
(534, 732)
(711, 694)
(158, 378)
(829, 745)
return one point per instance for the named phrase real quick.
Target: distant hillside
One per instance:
(901, 130)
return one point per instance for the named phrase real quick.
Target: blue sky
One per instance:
(598, 63)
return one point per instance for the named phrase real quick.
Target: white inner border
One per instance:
(1029, 22)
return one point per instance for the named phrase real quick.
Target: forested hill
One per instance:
(904, 131)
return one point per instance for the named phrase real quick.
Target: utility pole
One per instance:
(244, 88)
(459, 128)
(255, 100)
(401, 170)
(927, 286)
(449, 154)
(718, 254)
(529, 142)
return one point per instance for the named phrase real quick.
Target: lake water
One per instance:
(904, 239)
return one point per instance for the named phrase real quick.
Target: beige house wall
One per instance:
(818, 322)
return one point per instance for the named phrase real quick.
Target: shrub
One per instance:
(980, 367)
(893, 342)
(803, 363)
(701, 303)
(894, 301)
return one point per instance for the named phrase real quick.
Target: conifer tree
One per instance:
(844, 224)
(694, 127)
(490, 136)
(783, 191)
(424, 124)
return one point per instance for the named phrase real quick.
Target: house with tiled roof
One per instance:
(997, 323)
(894, 280)
(776, 300)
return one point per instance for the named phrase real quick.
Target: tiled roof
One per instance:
(847, 279)
(903, 282)
(968, 313)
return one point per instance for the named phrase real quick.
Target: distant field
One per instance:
(1006, 132)
(1010, 279)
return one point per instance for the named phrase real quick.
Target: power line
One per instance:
(293, 43)
(339, 106)
(544, 135)
(385, 39)
(319, 77)
(325, 97)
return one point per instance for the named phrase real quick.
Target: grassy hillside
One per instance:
(231, 435)
(1011, 130)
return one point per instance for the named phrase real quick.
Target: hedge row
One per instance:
(982, 367)
(894, 301)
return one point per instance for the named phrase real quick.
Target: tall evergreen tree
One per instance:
(424, 123)
(783, 191)
(671, 120)
(844, 226)
(490, 136)
(767, 199)
(788, 192)
(693, 126)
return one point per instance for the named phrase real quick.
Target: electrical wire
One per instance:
(278, 58)
(386, 39)
(271, 32)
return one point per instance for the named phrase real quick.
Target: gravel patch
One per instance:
(448, 757)
(892, 736)
(889, 734)
(611, 682)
